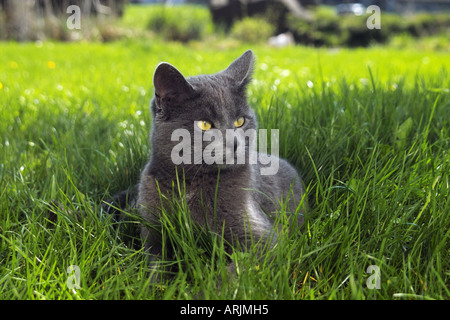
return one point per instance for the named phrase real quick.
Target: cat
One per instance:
(246, 200)
(244, 195)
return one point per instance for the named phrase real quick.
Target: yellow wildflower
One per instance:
(51, 64)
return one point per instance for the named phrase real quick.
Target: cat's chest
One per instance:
(227, 194)
(230, 203)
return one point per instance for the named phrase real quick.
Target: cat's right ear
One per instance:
(170, 86)
(240, 70)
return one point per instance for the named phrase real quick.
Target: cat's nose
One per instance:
(235, 144)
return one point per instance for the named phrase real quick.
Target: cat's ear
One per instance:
(240, 70)
(170, 85)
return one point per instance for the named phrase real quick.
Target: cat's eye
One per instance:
(239, 122)
(204, 125)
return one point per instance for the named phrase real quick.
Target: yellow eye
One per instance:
(239, 122)
(204, 125)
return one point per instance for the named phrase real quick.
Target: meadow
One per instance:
(368, 129)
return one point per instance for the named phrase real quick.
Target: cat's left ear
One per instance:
(240, 70)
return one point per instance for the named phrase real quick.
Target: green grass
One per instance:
(367, 129)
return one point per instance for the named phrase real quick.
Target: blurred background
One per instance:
(363, 113)
(330, 23)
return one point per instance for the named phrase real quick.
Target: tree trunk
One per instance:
(19, 16)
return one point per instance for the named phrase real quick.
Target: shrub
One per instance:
(252, 30)
(430, 43)
(426, 24)
(328, 29)
(180, 23)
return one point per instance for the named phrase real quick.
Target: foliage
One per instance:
(252, 30)
(184, 23)
(329, 29)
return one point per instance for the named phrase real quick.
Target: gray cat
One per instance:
(197, 105)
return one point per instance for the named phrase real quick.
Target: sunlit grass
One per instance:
(367, 129)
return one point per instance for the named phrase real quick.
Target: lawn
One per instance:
(367, 128)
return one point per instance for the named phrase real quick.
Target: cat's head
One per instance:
(207, 107)
(200, 106)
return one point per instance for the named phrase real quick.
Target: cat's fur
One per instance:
(243, 195)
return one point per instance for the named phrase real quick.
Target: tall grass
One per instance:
(367, 129)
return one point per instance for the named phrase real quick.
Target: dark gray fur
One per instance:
(221, 99)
